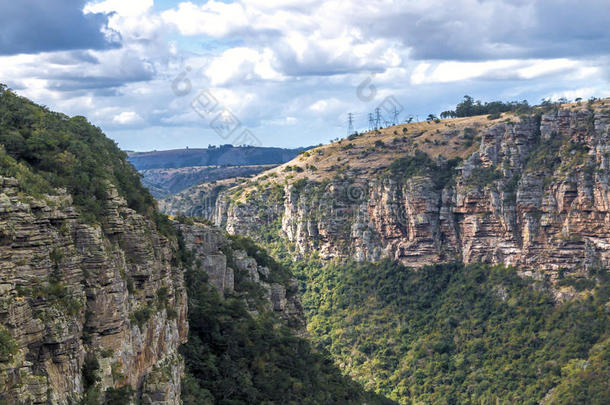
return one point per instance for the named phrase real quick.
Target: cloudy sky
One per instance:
(160, 74)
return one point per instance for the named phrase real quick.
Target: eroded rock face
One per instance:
(72, 290)
(535, 194)
(209, 246)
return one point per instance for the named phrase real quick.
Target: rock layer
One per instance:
(73, 291)
(535, 194)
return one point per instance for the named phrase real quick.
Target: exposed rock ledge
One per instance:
(70, 291)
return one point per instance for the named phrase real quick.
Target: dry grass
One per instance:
(374, 151)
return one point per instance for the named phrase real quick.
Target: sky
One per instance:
(163, 74)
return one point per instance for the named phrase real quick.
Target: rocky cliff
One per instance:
(221, 260)
(86, 309)
(530, 190)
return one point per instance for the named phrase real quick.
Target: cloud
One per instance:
(300, 59)
(507, 69)
(214, 18)
(127, 117)
(241, 65)
(33, 26)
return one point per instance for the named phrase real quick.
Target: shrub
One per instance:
(89, 371)
(118, 396)
(8, 346)
(420, 164)
(483, 176)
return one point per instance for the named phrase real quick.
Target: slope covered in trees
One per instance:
(235, 356)
(459, 334)
(46, 149)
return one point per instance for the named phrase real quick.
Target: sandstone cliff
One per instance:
(221, 260)
(81, 301)
(531, 191)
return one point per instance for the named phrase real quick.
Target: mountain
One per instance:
(168, 172)
(529, 190)
(107, 301)
(248, 344)
(224, 155)
(199, 200)
(450, 261)
(93, 304)
(164, 183)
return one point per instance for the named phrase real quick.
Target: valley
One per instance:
(458, 261)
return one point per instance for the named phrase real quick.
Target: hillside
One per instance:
(529, 190)
(168, 172)
(460, 334)
(247, 342)
(199, 200)
(93, 305)
(107, 301)
(459, 261)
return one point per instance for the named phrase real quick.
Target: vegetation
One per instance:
(233, 357)
(585, 381)
(55, 292)
(459, 334)
(483, 176)
(8, 346)
(469, 107)
(420, 164)
(47, 150)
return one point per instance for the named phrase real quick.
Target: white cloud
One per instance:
(278, 63)
(214, 18)
(127, 117)
(446, 72)
(131, 8)
(242, 64)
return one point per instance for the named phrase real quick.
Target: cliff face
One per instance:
(535, 194)
(83, 300)
(221, 261)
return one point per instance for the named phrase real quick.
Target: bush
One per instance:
(483, 176)
(8, 346)
(420, 164)
(118, 396)
(141, 316)
(469, 107)
(89, 371)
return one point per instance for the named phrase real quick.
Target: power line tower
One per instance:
(377, 118)
(350, 124)
(371, 122)
(395, 116)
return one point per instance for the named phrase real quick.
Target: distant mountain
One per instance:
(224, 155)
(167, 182)
(169, 172)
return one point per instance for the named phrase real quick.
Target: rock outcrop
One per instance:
(535, 194)
(224, 263)
(81, 300)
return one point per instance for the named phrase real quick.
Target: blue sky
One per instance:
(166, 74)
